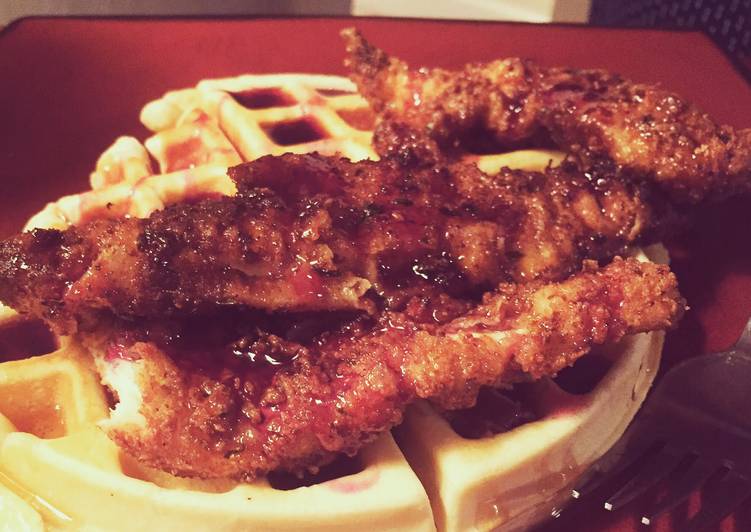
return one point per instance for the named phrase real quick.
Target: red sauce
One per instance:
(406, 270)
(222, 343)
(186, 154)
(307, 283)
(23, 338)
(355, 483)
(295, 131)
(263, 98)
(230, 343)
(362, 119)
(230, 360)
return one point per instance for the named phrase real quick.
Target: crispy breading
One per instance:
(609, 123)
(265, 403)
(308, 232)
(253, 251)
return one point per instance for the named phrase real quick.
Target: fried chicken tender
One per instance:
(266, 403)
(308, 232)
(229, 251)
(610, 124)
(406, 252)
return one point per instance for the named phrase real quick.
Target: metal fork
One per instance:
(694, 431)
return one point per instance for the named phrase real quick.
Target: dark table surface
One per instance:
(69, 87)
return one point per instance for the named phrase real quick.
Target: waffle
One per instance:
(59, 471)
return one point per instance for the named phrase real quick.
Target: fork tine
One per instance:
(680, 489)
(728, 493)
(631, 455)
(657, 467)
(588, 485)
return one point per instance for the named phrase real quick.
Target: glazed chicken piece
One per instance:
(308, 232)
(264, 403)
(608, 123)
(230, 251)
(404, 252)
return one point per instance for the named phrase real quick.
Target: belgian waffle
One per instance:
(58, 470)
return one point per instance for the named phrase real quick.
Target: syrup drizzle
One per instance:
(362, 119)
(330, 93)
(263, 98)
(294, 131)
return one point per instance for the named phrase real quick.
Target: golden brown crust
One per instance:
(308, 232)
(428, 235)
(214, 415)
(609, 123)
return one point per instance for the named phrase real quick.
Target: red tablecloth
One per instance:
(68, 87)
